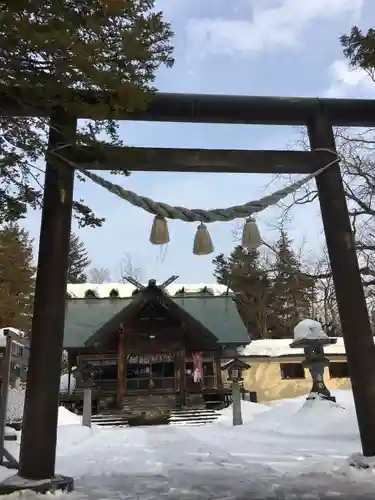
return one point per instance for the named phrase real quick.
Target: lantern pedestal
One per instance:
(86, 372)
(316, 362)
(236, 401)
(235, 370)
(87, 407)
(17, 483)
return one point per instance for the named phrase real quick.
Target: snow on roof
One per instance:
(275, 348)
(20, 333)
(79, 291)
(13, 330)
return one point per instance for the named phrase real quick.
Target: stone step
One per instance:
(203, 418)
(197, 417)
(108, 416)
(109, 420)
(193, 412)
(188, 416)
(193, 417)
(188, 423)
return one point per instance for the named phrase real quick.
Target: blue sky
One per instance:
(253, 47)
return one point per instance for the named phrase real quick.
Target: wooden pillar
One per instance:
(38, 443)
(356, 329)
(70, 365)
(218, 372)
(180, 358)
(69, 375)
(121, 370)
(5, 378)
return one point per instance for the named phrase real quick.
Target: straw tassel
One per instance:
(251, 238)
(202, 241)
(159, 231)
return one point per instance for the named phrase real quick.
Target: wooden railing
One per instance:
(97, 387)
(135, 384)
(105, 385)
(208, 382)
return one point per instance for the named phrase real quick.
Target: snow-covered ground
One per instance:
(289, 449)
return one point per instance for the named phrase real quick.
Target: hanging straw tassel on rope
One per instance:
(202, 241)
(251, 235)
(159, 231)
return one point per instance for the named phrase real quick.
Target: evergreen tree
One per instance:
(242, 274)
(78, 260)
(221, 269)
(292, 291)
(17, 274)
(359, 48)
(48, 49)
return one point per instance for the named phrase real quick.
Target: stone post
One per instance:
(236, 403)
(87, 406)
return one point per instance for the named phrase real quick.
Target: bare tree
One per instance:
(324, 307)
(356, 151)
(99, 276)
(127, 268)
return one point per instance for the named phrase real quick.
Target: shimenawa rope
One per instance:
(203, 244)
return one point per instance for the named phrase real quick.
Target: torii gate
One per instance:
(38, 447)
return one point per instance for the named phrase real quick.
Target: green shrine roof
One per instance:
(216, 313)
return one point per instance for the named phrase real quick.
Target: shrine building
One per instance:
(146, 345)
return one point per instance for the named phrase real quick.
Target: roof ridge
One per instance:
(125, 290)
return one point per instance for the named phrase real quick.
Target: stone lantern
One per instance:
(86, 372)
(235, 370)
(310, 336)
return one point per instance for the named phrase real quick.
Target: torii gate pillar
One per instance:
(39, 434)
(355, 323)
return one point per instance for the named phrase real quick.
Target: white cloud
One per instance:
(279, 23)
(346, 81)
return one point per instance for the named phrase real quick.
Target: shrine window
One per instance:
(105, 369)
(138, 367)
(153, 371)
(338, 370)
(162, 368)
(291, 371)
(17, 350)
